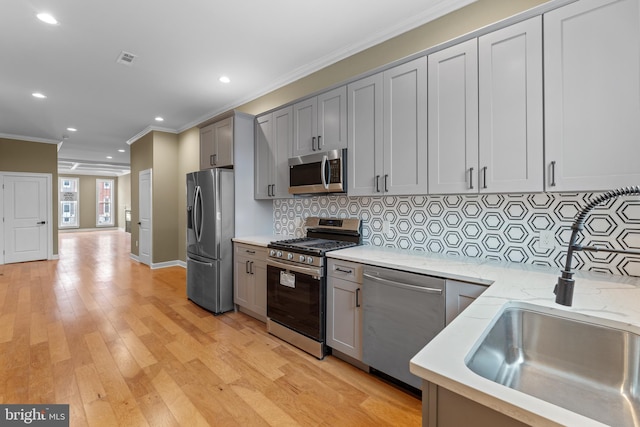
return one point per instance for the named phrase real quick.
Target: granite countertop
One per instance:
(601, 297)
(262, 240)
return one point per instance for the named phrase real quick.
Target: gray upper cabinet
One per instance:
(485, 113)
(320, 123)
(365, 139)
(453, 119)
(387, 135)
(274, 135)
(592, 95)
(510, 99)
(216, 144)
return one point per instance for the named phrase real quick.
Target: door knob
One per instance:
(41, 222)
(139, 223)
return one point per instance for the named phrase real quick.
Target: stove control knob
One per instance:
(309, 260)
(289, 256)
(272, 252)
(302, 258)
(279, 254)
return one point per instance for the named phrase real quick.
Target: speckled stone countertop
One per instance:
(598, 298)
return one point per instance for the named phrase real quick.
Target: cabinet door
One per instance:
(259, 272)
(207, 147)
(305, 127)
(332, 119)
(344, 317)
(282, 143)
(592, 95)
(510, 88)
(242, 286)
(453, 119)
(458, 296)
(405, 129)
(264, 157)
(223, 136)
(365, 137)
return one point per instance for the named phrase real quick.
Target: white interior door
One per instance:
(26, 228)
(144, 220)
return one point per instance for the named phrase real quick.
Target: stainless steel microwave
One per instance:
(318, 173)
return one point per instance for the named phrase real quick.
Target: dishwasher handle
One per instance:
(404, 285)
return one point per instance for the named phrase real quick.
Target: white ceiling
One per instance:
(182, 48)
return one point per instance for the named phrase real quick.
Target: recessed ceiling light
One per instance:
(45, 17)
(159, 119)
(121, 150)
(224, 79)
(109, 157)
(72, 129)
(38, 95)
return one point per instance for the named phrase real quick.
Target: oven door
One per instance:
(296, 298)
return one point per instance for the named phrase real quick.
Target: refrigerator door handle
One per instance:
(198, 204)
(208, 264)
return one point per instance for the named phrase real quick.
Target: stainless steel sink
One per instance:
(584, 367)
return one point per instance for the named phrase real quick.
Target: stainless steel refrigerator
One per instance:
(210, 228)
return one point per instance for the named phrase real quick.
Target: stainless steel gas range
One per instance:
(296, 281)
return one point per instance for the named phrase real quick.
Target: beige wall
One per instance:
(141, 159)
(35, 157)
(450, 26)
(124, 198)
(188, 161)
(165, 222)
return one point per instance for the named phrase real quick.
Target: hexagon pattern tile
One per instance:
(495, 226)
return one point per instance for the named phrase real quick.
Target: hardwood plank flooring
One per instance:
(121, 344)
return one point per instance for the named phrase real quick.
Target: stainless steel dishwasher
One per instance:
(402, 312)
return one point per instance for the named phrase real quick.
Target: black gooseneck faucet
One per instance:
(564, 287)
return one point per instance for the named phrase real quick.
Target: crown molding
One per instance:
(29, 138)
(147, 130)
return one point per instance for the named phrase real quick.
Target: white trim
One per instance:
(182, 264)
(80, 230)
(148, 129)
(165, 264)
(134, 257)
(30, 138)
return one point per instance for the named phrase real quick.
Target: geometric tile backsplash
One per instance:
(503, 227)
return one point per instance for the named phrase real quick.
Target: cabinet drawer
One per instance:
(250, 251)
(346, 270)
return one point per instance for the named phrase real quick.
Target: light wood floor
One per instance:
(122, 345)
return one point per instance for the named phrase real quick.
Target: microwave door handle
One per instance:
(323, 172)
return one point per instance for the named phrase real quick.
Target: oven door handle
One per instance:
(298, 269)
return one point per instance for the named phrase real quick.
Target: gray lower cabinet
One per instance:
(443, 408)
(458, 296)
(344, 308)
(250, 280)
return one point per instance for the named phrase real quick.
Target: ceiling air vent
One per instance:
(125, 58)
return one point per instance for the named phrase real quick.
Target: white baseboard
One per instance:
(134, 257)
(165, 264)
(78, 230)
(182, 264)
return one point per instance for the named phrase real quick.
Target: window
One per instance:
(104, 198)
(68, 199)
